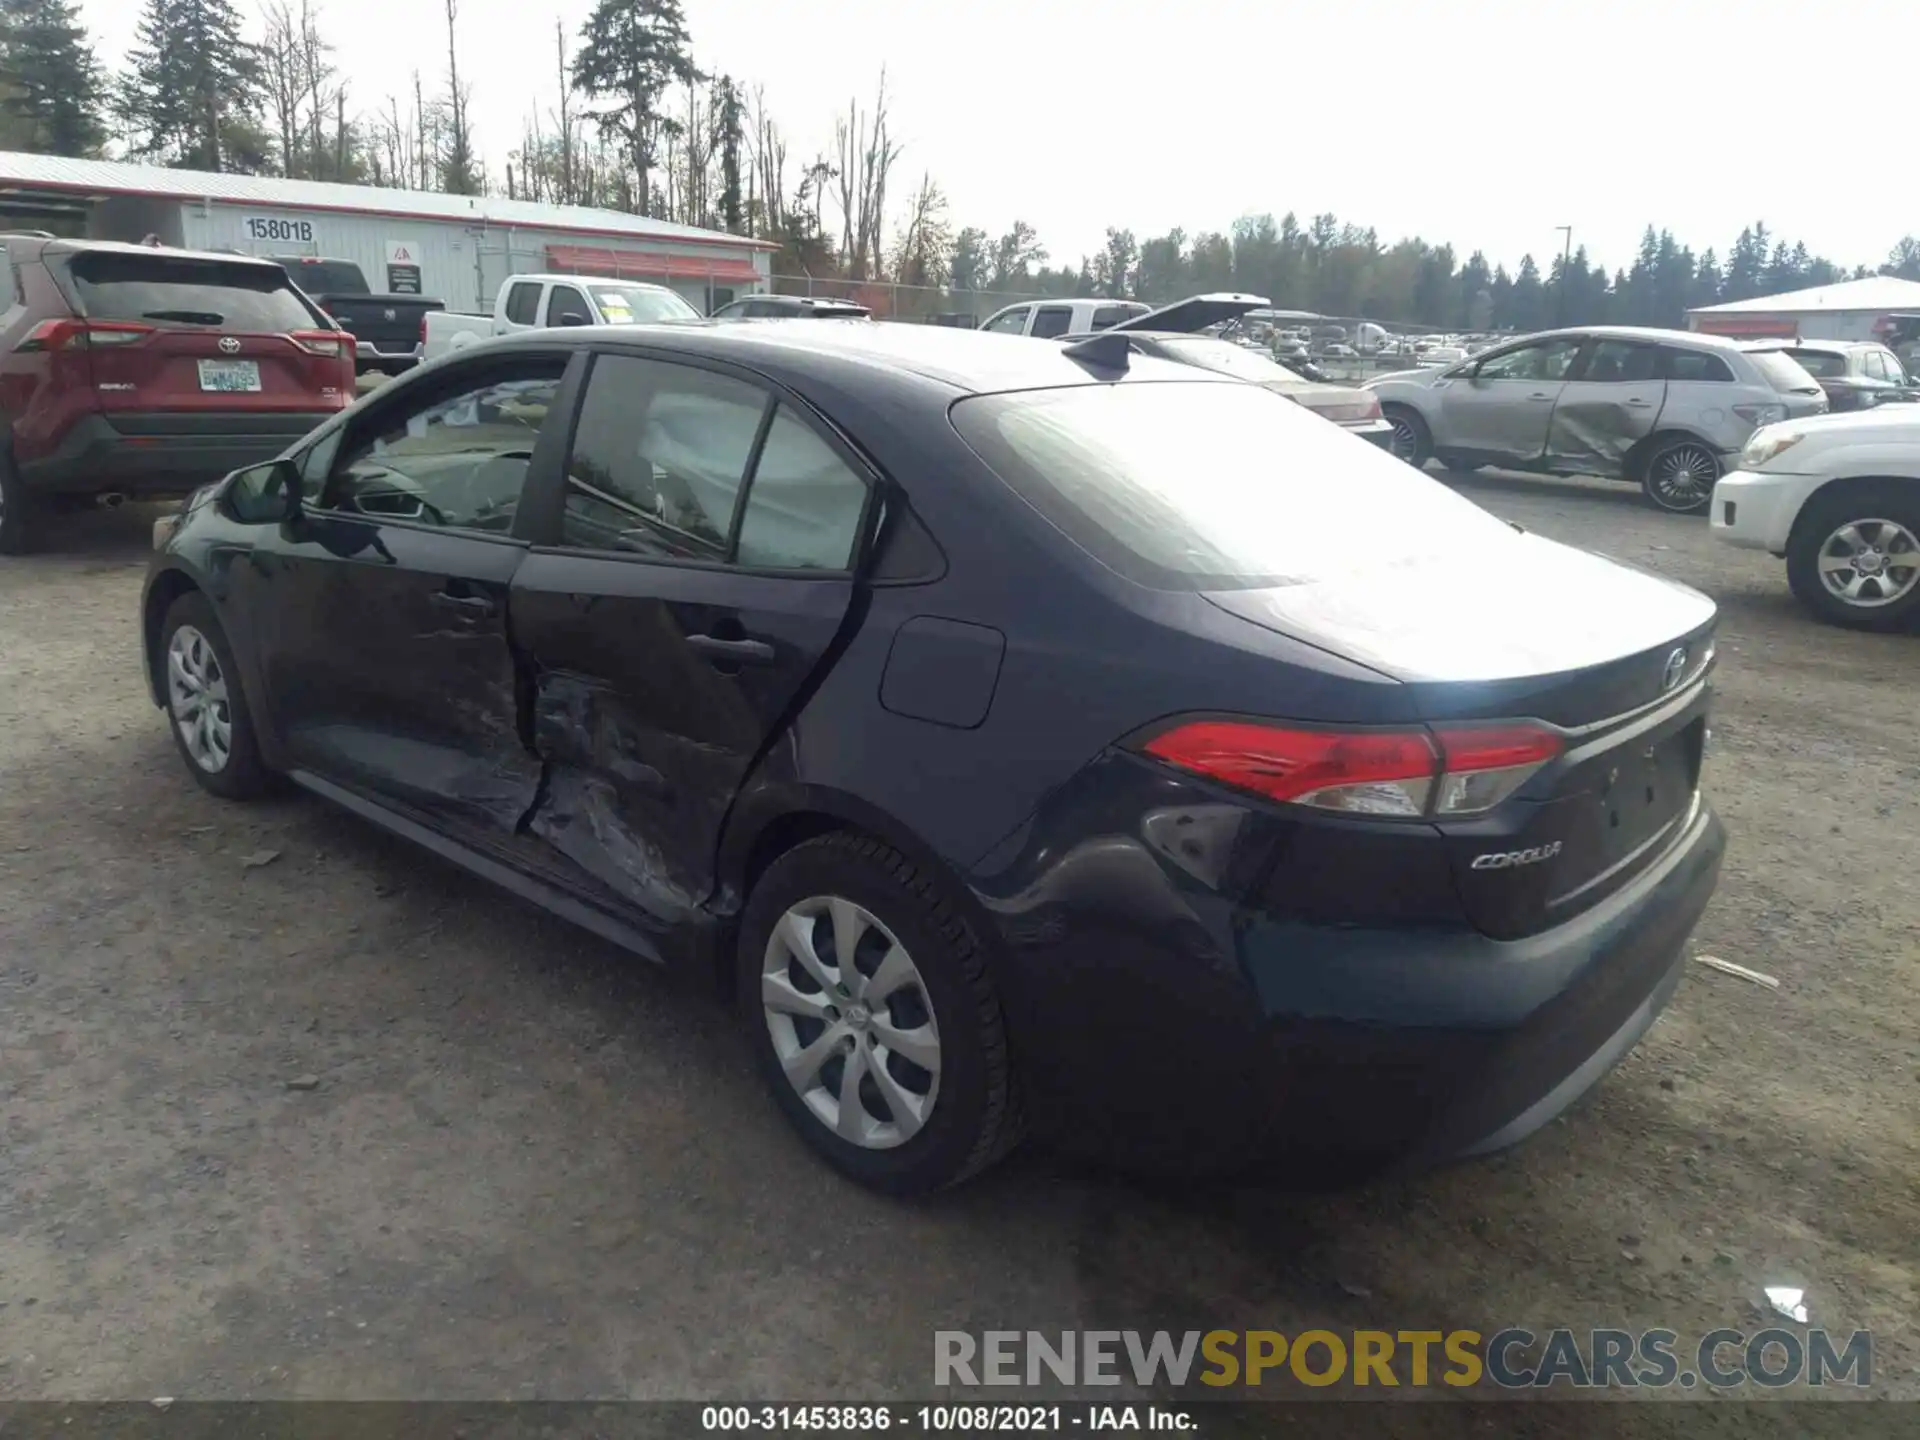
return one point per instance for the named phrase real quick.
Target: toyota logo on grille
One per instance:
(1676, 667)
(229, 345)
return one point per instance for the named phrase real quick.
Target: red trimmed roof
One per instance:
(648, 265)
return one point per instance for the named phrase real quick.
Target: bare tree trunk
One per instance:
(420, 135)
(565, 178)
(340, 133)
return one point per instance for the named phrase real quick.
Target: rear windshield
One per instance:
(1821, 364)
(327, 277)
(171, 290)
(1230, 359)
(1783, 372)
(1204, 485)
(627, 305)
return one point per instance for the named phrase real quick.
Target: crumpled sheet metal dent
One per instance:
(589, 755)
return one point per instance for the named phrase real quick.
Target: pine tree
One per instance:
(191, 94)
(50, 87)
(631, 53)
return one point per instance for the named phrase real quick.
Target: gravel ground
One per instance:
(515, 1164)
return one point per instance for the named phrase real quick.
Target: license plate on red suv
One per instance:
(230, 377)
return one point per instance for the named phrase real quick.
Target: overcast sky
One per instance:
(1487, 123)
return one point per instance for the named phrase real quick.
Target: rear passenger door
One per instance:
(1610, 403)
(693, 569)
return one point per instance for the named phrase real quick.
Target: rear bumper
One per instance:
(1380, 432)
(1192, 1033)
(371, 352)
(162, 454)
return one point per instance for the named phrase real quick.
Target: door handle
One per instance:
(732, 652)
(474, 607)
(1539, 395)
(1639, 404)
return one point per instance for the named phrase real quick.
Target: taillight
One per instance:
(75, 334)
(1410, 774)
(317, 342)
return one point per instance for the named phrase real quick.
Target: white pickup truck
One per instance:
(531, 302)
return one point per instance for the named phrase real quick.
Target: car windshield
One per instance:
(1230, 359)
(1821, 364)
(1201, 485)
(113, 285)
(632, 305)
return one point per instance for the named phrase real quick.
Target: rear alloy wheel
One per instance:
(873, 1019)
(1412, 441)
(1680, 477)
(206, 710)
(1855, 559)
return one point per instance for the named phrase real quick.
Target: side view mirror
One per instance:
(572, 319)
(264, 494)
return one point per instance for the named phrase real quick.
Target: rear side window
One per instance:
(1210, 484)
(170, 290)
(523, 303)
(804, 506)
(1783, 372)
(1052, 320)
(659, 455)
(1696, 365)
(1108, 315)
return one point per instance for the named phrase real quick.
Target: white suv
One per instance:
(1838, 498)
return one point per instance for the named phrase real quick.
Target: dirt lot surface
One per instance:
(517, 1164)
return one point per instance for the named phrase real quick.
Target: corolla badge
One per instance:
(229, 345)
(1676, 667)
(1509, 859)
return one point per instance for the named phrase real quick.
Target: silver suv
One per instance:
(1666, 409)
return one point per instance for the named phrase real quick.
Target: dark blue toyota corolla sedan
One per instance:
(1034, 738)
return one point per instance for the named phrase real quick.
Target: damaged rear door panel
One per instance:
(701, 580)
(1611, 402)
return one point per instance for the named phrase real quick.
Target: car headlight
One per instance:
(1767, 445)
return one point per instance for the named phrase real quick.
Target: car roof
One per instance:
(544, 278)
(120, 247)
(803, 302)
(969, 361)
(1637, 332)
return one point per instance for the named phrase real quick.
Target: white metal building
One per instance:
(1869, 309)
(456, 248)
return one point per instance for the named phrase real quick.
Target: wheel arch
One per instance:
(165, 588)
(1841, 485)
(1635, 464)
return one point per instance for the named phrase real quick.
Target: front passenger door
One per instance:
(1500, 413)
(383, 607)
(693, 576)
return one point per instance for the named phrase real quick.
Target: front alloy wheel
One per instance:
(851, 1022)
(1681, 477)
(1870, 563)
(197, 697)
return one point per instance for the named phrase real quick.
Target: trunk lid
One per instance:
(1194, 314)
(1613, 658)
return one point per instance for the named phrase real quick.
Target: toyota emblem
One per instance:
(1676, 667)
(229, 345)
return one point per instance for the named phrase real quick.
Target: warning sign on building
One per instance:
(403, 268)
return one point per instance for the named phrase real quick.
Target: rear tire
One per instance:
(19, 510)
(1679, 477)
(931, 1109)
(1845, 541)
(1412, 440)
(206, 707)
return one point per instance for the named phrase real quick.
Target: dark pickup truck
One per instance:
(385, 328)
(1856, 374)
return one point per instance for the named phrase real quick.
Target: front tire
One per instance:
(1679, 477)
(206, 707)
(873, 1019)
(1854, 559)
(1412, 440)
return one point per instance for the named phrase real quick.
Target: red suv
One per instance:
(130, 370)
